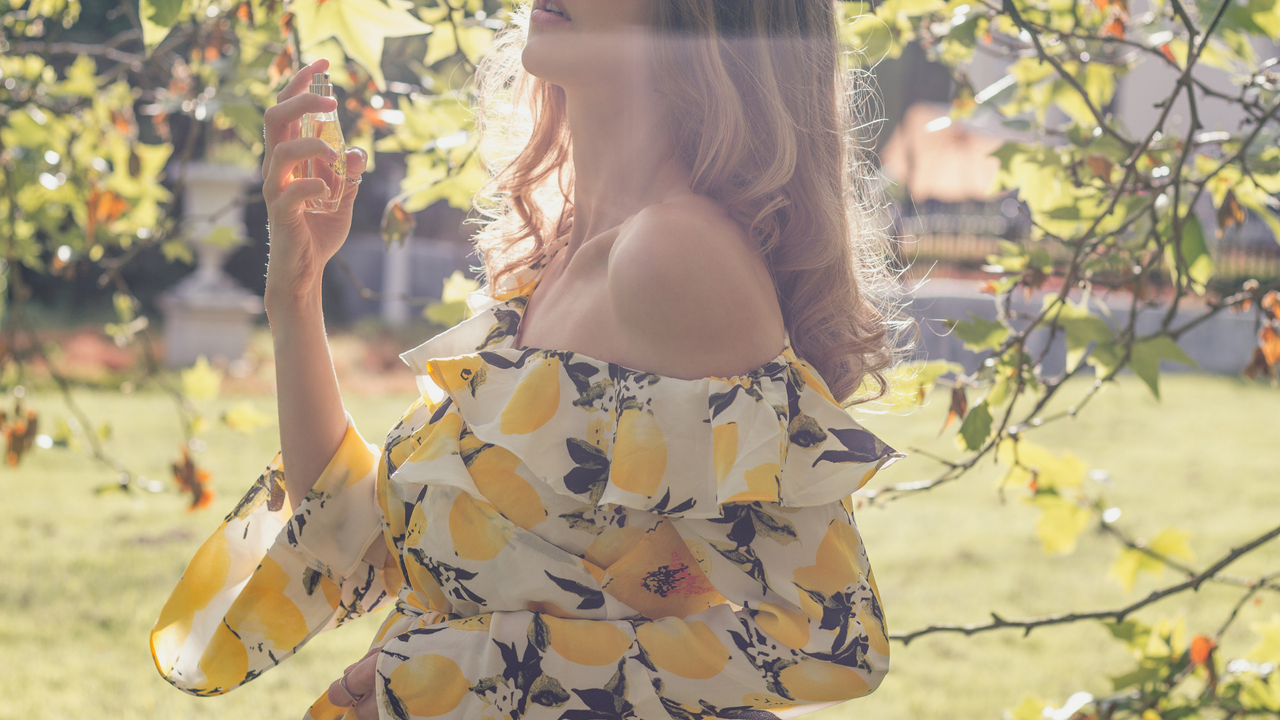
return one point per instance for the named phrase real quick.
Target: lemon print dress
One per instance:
(569, 539)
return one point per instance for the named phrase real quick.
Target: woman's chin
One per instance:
(546, 62)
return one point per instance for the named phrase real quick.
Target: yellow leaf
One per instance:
(457, 286)
(1268, 650)
(360, 25)
(1126, 567)
(1051, 472)
(1031, 708)
(1151, 714)
(1060, 524)
(1170, 543)
(245, 418)
(201, 382)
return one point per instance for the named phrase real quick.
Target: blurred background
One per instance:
(1081, 199)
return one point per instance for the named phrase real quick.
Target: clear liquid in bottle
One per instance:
(325, 126)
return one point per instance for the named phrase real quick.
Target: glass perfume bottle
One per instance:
(325, 126)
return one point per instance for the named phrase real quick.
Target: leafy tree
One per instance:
(85, 137)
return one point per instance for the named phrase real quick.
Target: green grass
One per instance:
(84, 576)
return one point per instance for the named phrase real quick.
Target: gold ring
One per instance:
(342, 683)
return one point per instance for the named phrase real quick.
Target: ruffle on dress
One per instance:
(607, 434)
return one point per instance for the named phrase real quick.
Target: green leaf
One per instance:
(177, 250)
(361, 26)
(158, 17)
(1146, 356)
(976, 427)
(1082, 328)
(1131, 632)
(1256, 17)
(1199, 264)
(979, 333)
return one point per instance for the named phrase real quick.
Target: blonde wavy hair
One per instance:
(772, 123)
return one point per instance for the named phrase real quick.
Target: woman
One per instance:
(563, 535)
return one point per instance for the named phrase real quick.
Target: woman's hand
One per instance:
(359, 680)
(301, 242)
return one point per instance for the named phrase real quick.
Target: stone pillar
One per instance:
(208, 313)
(397, 283)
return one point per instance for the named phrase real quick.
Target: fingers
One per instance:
(298, 192)
(302, 79)
(367, 708)
(372, 651)
(278, 131)
(357, 161)
(286, 159)
(359, 681)
(284, 121)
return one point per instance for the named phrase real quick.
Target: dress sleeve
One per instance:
(774, 614)
(268, 580)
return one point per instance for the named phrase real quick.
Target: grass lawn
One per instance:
(84, 576)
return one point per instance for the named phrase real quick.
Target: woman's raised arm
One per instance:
(312, 419)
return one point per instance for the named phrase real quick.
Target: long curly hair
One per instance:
(772, 120)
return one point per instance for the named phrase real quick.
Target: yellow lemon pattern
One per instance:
(535, 400)
(639, 453)
(553, 535)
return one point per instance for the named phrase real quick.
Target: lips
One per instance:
(551, 7)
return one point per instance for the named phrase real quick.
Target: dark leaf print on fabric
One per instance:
(711, 712)
(662, 509)
(592, 474)
(749, 520)
(310, 580)
(449, 578)
(719, 402)
(469, 455)
(580, 374)
(849, 647)
(606, 703)
(805, 431)
(520, 682)
(745, 559)
(764, 653)
(505, 322)
(860, 447)
(502, 362)
(595, 519)
(591, 598)
(269, 487)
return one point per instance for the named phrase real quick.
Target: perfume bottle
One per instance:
(325, 126)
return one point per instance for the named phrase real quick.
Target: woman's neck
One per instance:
(623, 157)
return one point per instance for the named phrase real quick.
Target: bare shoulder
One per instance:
(690, 294)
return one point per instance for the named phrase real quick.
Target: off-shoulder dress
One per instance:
(568, 539)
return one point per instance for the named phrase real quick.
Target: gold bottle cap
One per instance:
(320, 84)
